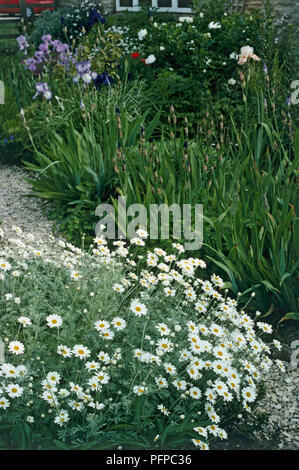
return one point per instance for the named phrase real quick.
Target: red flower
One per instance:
(135, 55)
(142, 60)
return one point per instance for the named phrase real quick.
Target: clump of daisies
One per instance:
(95, 333)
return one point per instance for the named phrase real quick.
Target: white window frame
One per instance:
(174, 7)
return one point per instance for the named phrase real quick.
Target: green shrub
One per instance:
(14, 141)
(66, 24)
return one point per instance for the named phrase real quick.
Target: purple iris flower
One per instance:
(59, 46)
(22, 42)
(43, 89)
(102, 79)
(83, 67)
(265, 68)
(44, 47)
(94, 17)
(46, 38)
(30, 64)
(39, 57)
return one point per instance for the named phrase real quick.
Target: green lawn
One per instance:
(8, 28)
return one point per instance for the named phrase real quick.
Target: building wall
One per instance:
(253, 4)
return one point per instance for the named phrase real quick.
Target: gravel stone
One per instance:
(18, 210)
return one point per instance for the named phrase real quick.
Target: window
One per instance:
(180, 6)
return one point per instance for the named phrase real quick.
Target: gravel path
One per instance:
(281, 401)
(17, 210)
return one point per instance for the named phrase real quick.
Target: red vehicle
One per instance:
(44, 5)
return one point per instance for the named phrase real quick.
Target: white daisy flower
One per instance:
(104, 357)
(91, 366)
(14, 390)
(161, 382)
(53, 377)
(4, 403)
(25, 321)
(163, 410)
(195, 393)
(140, 389)
(138, 308)
(101, 325)
(16, 347)
(180, 384)
(118, 288)
(119, 323)
(5, 265)
(198, 443)
(64, 351)
(81, 351)
(76, 405)
(170, 369)
(249, 394)
(163, 329)
(107, 334)
(61, 418)
(54, 321)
